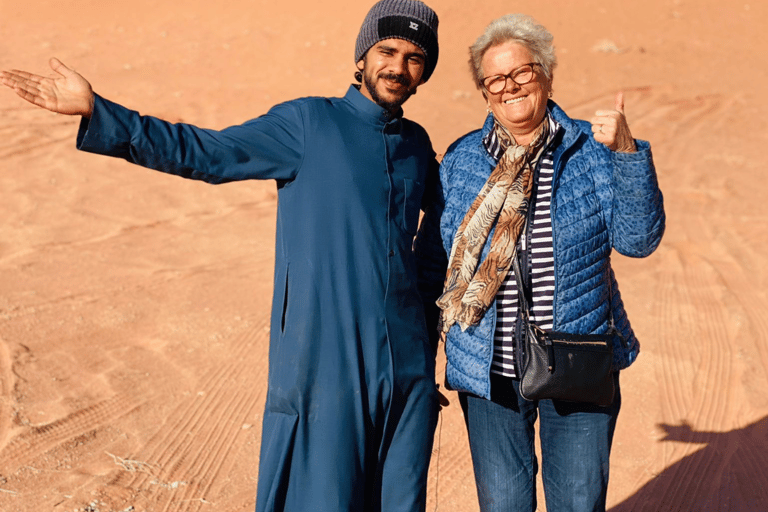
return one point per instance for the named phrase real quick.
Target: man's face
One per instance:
(392, 70)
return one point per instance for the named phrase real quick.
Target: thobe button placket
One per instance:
(391, 253)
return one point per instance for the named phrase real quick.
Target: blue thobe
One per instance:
(351, 404)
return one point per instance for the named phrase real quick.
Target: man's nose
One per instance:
(397, 66)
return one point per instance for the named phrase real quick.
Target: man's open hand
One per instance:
(69, 93)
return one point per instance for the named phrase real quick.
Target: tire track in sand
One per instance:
(701, 345)
(187, 455)
(699, 336)
(450, 477)
(741, 269)
(698, 308)
(35, 441)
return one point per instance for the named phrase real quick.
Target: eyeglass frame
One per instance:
(509, 76)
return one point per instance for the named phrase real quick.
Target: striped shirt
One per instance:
(542, 265)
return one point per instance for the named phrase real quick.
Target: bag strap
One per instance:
(522, 290)
(525, 299)
(612, 324)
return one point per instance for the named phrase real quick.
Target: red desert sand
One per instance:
(134, 305)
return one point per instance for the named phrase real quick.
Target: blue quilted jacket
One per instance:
(601, 200)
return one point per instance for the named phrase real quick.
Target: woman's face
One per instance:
(520, 108)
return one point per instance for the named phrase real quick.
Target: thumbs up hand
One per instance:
(610, 128)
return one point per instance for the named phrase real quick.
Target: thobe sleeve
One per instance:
(638, 219)
(431, 259)
(268, 147)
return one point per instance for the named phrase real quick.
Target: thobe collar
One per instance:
(369, 108)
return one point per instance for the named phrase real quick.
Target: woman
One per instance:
(562, 193)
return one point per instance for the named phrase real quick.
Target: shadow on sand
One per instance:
(728, 473)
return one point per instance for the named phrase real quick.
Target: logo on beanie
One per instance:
(413, 26)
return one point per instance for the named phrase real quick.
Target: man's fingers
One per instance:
(8, 77)
(27, 85)
(620, 101)
(30, 96)
(30, 77)
(26, 88)
(59, 67)
(21, 80)
(20, 86)
(69, 93)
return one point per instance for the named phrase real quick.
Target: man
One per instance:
(351, 406)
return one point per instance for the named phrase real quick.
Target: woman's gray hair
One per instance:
(521, 29)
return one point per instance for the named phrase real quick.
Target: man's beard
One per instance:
(393, 105)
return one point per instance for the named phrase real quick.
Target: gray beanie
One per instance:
(410, 20)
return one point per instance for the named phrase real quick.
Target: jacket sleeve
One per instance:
(638, 219)
(431, 260)
(269, 147)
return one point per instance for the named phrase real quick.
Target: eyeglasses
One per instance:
(521, 76)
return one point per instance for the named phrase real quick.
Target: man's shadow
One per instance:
(729, 473)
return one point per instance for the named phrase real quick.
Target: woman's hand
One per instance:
(610, 128)
(69, 93)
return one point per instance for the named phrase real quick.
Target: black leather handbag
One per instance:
(563, 366)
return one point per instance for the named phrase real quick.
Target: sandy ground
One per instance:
(133, 305)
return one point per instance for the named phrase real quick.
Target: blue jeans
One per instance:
(575, 444)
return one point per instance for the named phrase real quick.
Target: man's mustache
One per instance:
(394, 77)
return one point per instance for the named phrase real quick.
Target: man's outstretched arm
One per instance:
(268, 147)
(69, 93)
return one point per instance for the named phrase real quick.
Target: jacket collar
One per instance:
(571, 130)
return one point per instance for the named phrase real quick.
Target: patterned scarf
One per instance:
(503, 202)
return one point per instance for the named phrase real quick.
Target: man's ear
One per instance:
(361, 64)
